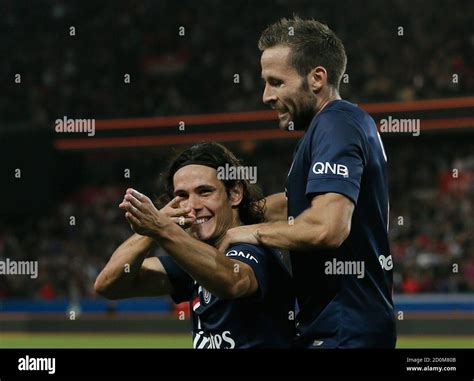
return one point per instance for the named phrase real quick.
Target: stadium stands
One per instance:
(80, 72)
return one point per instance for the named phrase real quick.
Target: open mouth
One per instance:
(202, 220)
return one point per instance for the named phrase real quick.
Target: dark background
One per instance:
(82, 76)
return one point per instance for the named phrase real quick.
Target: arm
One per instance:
(223, 277)
(326, 225)
(276, 207)
(128, 274)
(327, 222)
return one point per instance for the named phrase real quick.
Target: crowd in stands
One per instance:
(74, 57)
(431, 225)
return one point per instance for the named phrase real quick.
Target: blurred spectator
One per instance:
(397, 50)
(431, 227)
(82, 74)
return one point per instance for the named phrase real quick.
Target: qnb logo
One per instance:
(206, 340)
(235, 253)
(386, 262)
(320, 168)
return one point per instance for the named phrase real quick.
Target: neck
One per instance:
(329, 96)
(217, 241)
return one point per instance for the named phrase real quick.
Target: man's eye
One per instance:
(275, 83)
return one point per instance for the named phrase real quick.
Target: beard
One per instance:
(303, 109)
(302, 119)
(307, 108)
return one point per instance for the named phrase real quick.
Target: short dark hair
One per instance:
(214, 155)
(312, 44)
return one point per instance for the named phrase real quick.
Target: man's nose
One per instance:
(193, 202)
(269, 96)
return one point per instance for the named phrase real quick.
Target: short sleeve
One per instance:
(337, 156)
(254, 256)
(182, 283)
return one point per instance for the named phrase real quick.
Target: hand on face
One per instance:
(206, 197)
(184, 217)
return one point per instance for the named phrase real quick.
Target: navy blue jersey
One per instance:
(263, 320)
(345, 294)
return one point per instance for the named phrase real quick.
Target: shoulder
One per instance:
(341, 113)
(246, 251)
(341, 120)
(256, 254)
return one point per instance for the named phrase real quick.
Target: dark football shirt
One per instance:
(262, 320)
(344, 295)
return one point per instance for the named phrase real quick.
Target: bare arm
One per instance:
(128, 274)
(326, 224)
(276, 207)
(226, 278)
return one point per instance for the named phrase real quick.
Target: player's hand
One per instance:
(243, 234)
(178, 215)
(142, 215)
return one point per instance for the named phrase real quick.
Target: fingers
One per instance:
(172, 209)
(135, 198)
(138, 200)
(183, 221)
(136, 204)
(178, 212)
(132, 206)
(139, 196)
(134, 201)
(134, 221)
(174, 203)
(224, 244)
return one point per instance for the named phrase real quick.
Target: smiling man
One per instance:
(240, 299)
(337, 195)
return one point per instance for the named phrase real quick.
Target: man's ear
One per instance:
(317, 78)
(236, 193)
